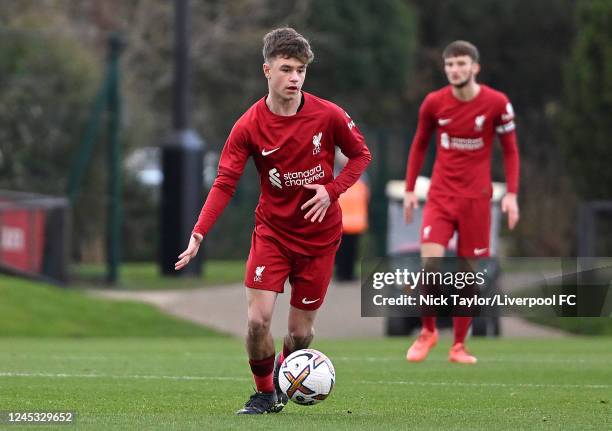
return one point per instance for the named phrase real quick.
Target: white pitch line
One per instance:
(110, 376)
(244, 379)
(482, 360)
(502, 385)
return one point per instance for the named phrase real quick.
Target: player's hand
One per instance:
(192, 250)
(318, 203)
(510, 206)
(410, 202)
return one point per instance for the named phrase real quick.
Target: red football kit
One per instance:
(290, 152)
(460, 191)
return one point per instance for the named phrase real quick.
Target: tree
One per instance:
(523, 45)
(47, 83)
(364, 52)
(51, 66)
(587, 109)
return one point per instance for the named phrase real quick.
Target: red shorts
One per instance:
(270, 264)
(471, 218)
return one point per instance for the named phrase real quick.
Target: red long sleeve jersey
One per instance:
(464, 141)
(290, 152)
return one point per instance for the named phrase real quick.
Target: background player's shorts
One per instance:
(270, 264)
(471, 218)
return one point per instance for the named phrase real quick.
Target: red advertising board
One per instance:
(22, 239)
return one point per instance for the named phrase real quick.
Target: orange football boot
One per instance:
(420, 348)
(459, 354)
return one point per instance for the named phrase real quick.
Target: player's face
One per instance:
(285, 77)
(460, 70)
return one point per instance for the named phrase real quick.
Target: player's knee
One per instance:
(258, 326)
(301, 337)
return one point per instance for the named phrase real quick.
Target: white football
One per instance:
(307, 377)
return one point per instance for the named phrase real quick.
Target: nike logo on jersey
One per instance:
(307, 301)
(265, 153)
(444, 121)
(480, 251)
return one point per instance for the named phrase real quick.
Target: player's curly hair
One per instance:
(287, 43)
(461, 47)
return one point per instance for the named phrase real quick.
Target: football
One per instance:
(307, 377)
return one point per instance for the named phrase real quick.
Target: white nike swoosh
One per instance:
(265, 153)
(306, 301)
(478, 251)
(444, 121)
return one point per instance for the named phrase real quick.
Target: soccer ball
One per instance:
(307, 377)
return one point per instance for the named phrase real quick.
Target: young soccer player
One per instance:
(291, 136)
(467, 116)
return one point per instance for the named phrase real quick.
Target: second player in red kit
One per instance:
(466, 117)
(460, 192)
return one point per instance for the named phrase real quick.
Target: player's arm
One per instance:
(231, 165)
(418, 150)
(352, 144)
(505, 129)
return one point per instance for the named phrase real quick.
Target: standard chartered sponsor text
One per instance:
(301, 178)
(468, 144)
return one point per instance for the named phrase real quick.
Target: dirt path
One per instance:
(223, 308)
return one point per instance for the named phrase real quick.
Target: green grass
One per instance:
(29, 308)
(553, 264)
(578, 325)
(188, 383)
(575, 325)
(146, 276)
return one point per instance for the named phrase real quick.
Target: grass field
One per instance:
(33, 309)
(198, 383)
(146, 276)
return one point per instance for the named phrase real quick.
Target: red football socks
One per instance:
(262, 373)
(429, 323)
(461, 326)
(286, 352)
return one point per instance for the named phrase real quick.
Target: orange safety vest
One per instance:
(354, 204)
